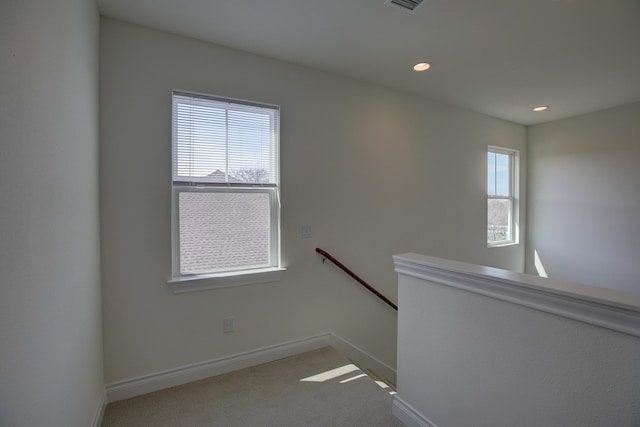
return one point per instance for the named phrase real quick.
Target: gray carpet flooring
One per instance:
(316, 389)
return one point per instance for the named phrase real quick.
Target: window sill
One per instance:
(501, 245)
(205, 282)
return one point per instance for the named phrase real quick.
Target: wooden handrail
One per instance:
(357, 278)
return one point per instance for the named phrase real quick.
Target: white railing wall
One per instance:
(480, 346)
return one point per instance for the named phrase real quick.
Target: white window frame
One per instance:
(512, 197)
(180, 282)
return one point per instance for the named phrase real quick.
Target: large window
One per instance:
(501, 196)
(225, 186)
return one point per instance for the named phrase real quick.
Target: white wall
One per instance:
(584, 198)
(50, 309)
(375, 172)
(488, 354)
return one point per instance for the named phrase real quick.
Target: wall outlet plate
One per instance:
(228, 325)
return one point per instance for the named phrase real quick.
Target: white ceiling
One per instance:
(497, 57)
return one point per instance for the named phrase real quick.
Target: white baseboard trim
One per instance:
(364, 360)
(99, 412)
(408, 415)
(198, 371)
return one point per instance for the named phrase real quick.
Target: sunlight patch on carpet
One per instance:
(353, 378)
(331, 374)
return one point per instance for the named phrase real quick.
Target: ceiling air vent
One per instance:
(407, 5)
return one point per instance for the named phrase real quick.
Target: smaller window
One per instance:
(501, 196)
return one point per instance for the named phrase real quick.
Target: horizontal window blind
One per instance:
(218, 141)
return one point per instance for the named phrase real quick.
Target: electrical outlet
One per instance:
(228, 325)
(305, 232)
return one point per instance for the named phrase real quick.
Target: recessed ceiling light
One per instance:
(540, 108)
(421, 66)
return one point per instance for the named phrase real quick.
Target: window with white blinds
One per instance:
(225, 186)
(219, 140)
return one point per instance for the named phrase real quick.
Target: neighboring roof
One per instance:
(220, 231)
